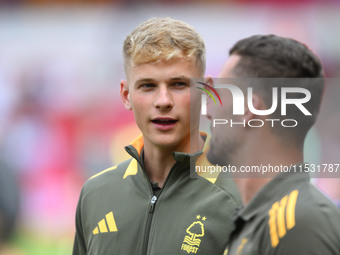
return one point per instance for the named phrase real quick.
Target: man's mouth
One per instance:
(164, 121)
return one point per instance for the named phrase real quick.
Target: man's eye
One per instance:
(179, 84)
(147, 86)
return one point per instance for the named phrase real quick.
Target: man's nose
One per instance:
(164, 99)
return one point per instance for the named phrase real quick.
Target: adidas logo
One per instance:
(103, 228)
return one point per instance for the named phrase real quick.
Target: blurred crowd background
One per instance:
(61, 118)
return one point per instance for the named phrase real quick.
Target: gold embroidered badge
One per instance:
(195, 232)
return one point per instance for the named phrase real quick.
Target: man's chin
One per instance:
(215, 158)
(166, 143)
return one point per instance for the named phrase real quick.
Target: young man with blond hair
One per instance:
(149, 204)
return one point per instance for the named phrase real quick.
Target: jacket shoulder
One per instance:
(110, 175)
(313, 208)
(307, 222)
(223, 186)
(227, 184)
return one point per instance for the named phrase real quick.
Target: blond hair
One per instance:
(163, 39)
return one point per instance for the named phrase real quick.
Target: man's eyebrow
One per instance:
(175, 78)
(145, 80)
(171, 79)
(181, 77)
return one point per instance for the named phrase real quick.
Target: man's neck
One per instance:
(158, 165)
(261, 156)
(158, 161)
(249, 187)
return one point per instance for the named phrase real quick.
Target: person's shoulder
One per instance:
(304, 204)
(303, 221)
(310, 199)
(314, 208)
(109, 176)
(225, 187)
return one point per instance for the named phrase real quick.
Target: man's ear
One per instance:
(258, 104)
(209, 80)
(125, 94)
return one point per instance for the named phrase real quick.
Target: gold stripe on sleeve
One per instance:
(272, 225)
(290, 213)
(281, 217)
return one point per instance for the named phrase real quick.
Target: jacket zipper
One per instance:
(153, 200)
(151, 212)
(148, 224)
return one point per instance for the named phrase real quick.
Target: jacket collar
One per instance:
(135, 149)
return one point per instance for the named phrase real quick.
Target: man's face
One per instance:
(159, 95)
(225, 139)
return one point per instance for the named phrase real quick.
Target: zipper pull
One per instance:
(153, 202)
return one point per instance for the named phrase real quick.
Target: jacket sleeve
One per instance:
(79, 246)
